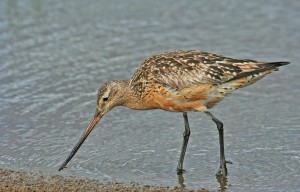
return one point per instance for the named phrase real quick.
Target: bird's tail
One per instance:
(246, 78)
(278, 64)
(275, 65)
(264, 69)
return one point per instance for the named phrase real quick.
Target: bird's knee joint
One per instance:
(219, 125)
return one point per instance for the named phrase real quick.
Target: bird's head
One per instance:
(111, 94)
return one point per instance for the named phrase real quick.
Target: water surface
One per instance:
(54, 55)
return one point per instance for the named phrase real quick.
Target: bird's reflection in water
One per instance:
(223, 182)
(181, 181)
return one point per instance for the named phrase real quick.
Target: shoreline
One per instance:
(15, 180)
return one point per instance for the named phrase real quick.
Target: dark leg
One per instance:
(186, 136)
(222, 169)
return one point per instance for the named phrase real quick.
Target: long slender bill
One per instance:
(94, 121)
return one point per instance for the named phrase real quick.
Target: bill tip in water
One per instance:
(61, 168)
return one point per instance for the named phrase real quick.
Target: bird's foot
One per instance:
(180, 171)
(222, 171)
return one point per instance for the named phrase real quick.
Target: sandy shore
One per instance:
(11, 180)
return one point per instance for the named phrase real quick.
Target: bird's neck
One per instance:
(124, 95)
(127, 96)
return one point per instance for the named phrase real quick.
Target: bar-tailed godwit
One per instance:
(180, 81)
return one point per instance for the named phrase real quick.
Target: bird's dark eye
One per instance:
(105, 98)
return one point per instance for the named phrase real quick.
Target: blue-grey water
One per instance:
(54, 55)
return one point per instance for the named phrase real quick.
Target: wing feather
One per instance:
(181, 69)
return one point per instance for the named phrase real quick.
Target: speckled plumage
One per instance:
(180, 81)
(189, 76)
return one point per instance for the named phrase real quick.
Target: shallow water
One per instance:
(54, 55)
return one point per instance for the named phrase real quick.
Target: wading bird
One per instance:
(180, 81)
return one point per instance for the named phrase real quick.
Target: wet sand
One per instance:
(11, 180)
